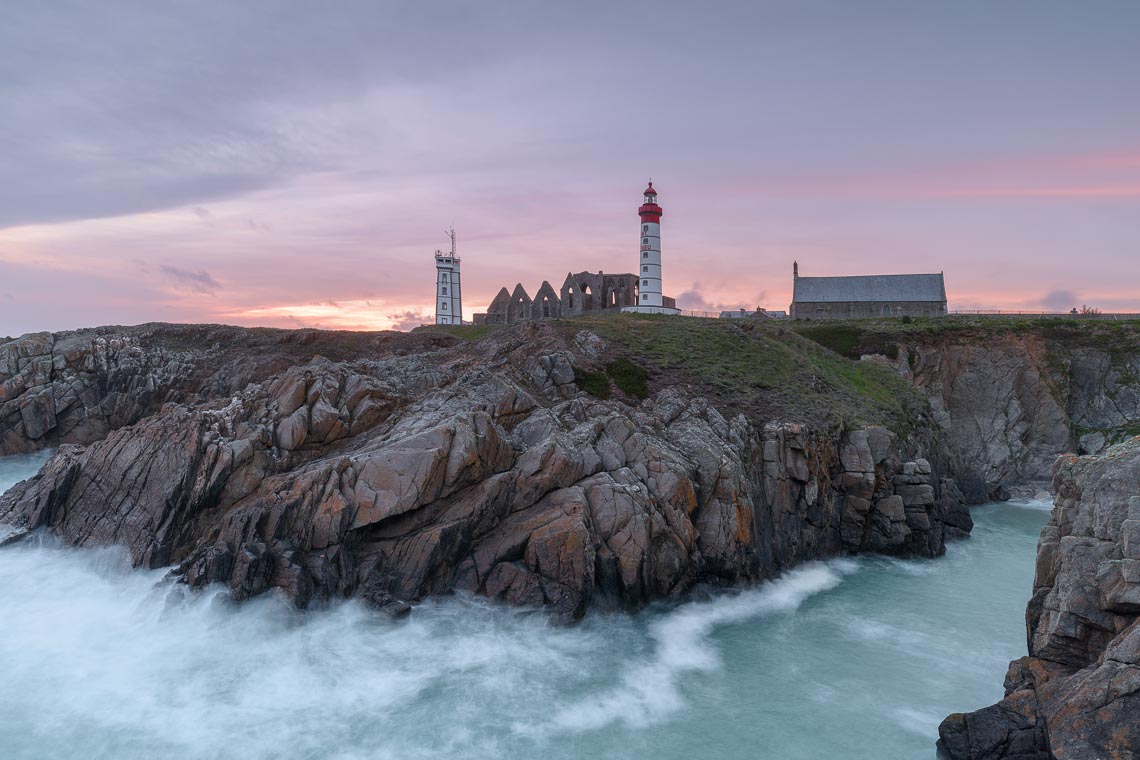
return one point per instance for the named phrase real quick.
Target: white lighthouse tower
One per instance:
(448, 292)
(649, 299)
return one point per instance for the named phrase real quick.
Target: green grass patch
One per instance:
(466, 332)
(842, 338)
(631, 378)
(594, 383)
(762, 369)
(850, 340)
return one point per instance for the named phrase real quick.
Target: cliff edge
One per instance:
(1009, 395)
(1077, 694)
(545, 464)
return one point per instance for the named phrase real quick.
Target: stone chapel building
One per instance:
(876, 295)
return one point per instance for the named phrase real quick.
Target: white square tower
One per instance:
(448, 289)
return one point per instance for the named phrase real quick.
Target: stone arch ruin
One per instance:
(581, 293)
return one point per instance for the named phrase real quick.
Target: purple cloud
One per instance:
(199, 282)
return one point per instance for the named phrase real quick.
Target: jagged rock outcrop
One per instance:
(1104, 392)
(1077, 694)
(1009, 404)
(421, 471)
(1001, 416)
(78, 386)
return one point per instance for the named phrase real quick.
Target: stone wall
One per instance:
(866, 309)
(581, 293)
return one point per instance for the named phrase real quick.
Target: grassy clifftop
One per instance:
(853, 338)
(765, 370)
(807, 371)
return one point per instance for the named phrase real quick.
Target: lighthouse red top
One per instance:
(650, 211)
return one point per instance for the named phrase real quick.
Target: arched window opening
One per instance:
(587, 302)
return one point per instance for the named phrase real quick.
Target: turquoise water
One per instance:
(855, 658)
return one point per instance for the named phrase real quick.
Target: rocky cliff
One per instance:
(392, 467)
(535, 463)
(1077, 694)
(76, 387)
(1009, 396)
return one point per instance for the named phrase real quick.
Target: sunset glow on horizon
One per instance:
(286, 165)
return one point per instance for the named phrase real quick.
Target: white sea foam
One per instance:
(910, 566)
(1041, 504)
(878, 631)
(101, 661)
(13, 469)
(921, 722)
(649, 690)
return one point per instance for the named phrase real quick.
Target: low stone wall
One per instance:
(866, 309)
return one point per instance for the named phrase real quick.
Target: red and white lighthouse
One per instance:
(650, 261)
(649, 298)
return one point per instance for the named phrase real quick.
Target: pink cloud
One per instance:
(1106, 175)
(343, 251)
(1094, 191)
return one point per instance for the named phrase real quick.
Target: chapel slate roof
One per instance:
(874, 287)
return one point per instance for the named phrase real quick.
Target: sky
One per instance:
(296, 164)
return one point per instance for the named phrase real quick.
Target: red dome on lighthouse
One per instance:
(650, 211)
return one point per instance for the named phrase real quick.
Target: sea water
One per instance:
(852, 658)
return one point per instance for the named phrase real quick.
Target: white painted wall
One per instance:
(448, 291)
(649, 264)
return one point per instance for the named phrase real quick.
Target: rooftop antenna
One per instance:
(450, 232)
